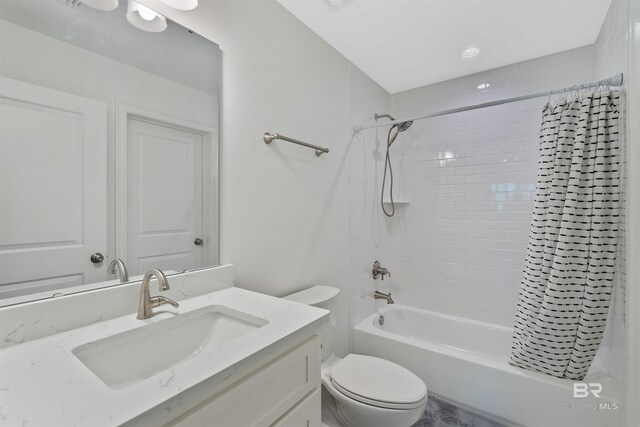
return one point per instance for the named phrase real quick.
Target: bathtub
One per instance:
(466, 362)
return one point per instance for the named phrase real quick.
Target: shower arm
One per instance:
(379, 116)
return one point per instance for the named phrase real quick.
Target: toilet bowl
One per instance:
(360, 390)
(373, 392)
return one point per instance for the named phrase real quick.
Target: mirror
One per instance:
(108, 148)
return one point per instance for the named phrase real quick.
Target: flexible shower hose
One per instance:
(387, 165)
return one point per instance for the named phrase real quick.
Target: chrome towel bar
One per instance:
(268, 137)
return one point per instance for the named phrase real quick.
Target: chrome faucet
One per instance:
(145, 307)
(379, 270)
(381, 295)
(122, 269)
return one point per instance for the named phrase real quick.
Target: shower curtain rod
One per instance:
(611, 81)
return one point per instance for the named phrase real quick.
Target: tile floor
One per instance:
(440, 413)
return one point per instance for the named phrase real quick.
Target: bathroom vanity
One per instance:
(225, 356)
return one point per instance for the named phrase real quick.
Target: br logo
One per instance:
(583, 390)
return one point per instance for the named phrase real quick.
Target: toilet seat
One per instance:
(378, 382)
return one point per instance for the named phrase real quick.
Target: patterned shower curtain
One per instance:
(570, 262)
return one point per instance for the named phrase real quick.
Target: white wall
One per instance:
(284, 212)
(633, 215)
(618, 49)
(611, 57)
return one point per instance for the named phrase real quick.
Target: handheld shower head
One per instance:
(391, 137)
(400, 126)
(404, 125)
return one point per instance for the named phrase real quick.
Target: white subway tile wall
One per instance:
(458, 247)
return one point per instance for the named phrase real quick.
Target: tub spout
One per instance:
(381, 295)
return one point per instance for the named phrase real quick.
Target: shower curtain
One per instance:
(570, 261)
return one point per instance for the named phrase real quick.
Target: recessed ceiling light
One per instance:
(484, 86)
(470, 53)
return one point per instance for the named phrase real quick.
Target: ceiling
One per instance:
(404, 44)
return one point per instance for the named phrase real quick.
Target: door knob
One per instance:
(96, 258)
(198, 242)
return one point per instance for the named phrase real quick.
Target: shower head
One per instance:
(403, 125)
(400, 126)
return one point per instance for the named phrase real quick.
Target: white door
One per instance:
(164, 197)
(52, 188)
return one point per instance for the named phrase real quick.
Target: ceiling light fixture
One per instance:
(483, 86)
(181, 4)
(470, 53)
(144, 18)
(101, 4)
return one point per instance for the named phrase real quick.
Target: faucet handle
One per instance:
(379, 270)
(146, 303)
(159, 300)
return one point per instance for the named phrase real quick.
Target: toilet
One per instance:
(359, 390)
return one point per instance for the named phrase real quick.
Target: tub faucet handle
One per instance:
(379, 270)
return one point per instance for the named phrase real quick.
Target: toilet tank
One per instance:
(321, 297)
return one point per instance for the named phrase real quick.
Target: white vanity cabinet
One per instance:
(255, 362)
(284, 392)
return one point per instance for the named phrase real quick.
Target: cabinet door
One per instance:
(304, 414)
(53, 188)
(265, 395)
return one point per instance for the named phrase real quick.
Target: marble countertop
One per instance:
(42, 383)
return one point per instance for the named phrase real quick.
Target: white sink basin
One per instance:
(137, 354)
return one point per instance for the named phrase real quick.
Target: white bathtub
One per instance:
(466, 362)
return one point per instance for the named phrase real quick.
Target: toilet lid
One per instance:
(378, 382)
